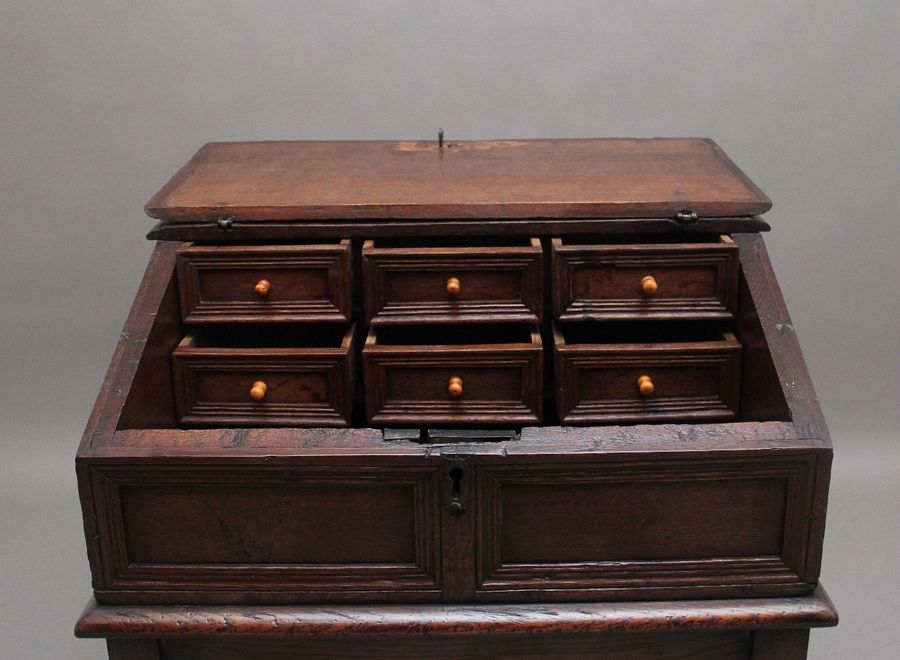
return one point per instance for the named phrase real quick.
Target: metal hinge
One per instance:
(226, 222)
(687, 216)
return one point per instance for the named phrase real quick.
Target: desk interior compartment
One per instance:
(453, 375)
(669, 280)
(263, 375)
(265, 283)
(610, 374)
(453, 280)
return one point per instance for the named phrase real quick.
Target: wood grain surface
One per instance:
(620, 178)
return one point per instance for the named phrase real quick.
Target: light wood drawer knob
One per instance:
(454, 286)
(645, 385)
(258, 391)
(262, 288)
(649, 285)
(454, 387)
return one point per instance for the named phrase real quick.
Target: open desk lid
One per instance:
(471, 180)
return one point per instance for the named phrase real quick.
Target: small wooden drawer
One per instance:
(265, 283)
(660, 281)
(453, 283)
(265, 376)
(453, 375)
(640, 374)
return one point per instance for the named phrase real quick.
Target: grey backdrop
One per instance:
(100, 102)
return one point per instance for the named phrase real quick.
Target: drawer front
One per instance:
(641, 282)
(265, 283)
(456, 284)
(454, 384)
(641, 529)
(601, 383)
(264, 387)
(260, 534)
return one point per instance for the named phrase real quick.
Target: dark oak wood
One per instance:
(305, 283)
(492, 283)
(688, 458)
(762, 629)
(408, 383)
(263, 181)
(305, 381)
(598, 382)
(602, 282)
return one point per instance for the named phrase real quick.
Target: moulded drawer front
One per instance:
(631, 529)
(218, 386)
(311, 532)
(463, 384)
(453, 284)
(680, 281)
(602, 383)
(282, 283)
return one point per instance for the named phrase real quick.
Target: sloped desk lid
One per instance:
(501, 179)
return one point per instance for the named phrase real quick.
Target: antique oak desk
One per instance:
(475, 399)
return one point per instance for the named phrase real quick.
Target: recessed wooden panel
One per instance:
(218, 284)
(603, 282)
(642, 521)
(309, 531)
(616, 530)
(493, 283)
(316, 524)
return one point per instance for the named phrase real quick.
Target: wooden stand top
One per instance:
(501, 179)
(814, 610)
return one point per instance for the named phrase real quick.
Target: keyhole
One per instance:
(456, 475)
(456, 505)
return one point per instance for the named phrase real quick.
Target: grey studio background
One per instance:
(100, 102)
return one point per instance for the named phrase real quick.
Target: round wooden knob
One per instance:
(645, 385)
(454, 286)
(262, 288)
(649, 285)
(454, 388)
(258, 391)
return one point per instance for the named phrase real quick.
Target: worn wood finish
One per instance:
(262, 181)
(296, 381)
(608, 282)
(600, 382)
(709, 446)
(408, 383)
(325, 527)
(812, 610)
(761, 628)
(425, 284)
(643, 528)
(265, 283)
(308, 534)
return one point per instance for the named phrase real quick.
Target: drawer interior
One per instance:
(638, 333)
(454, 335)
(455, 242)
(269, 336)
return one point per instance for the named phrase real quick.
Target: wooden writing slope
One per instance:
(478, 399)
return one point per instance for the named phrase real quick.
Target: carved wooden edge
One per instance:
(814, 610)
(285, 230)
